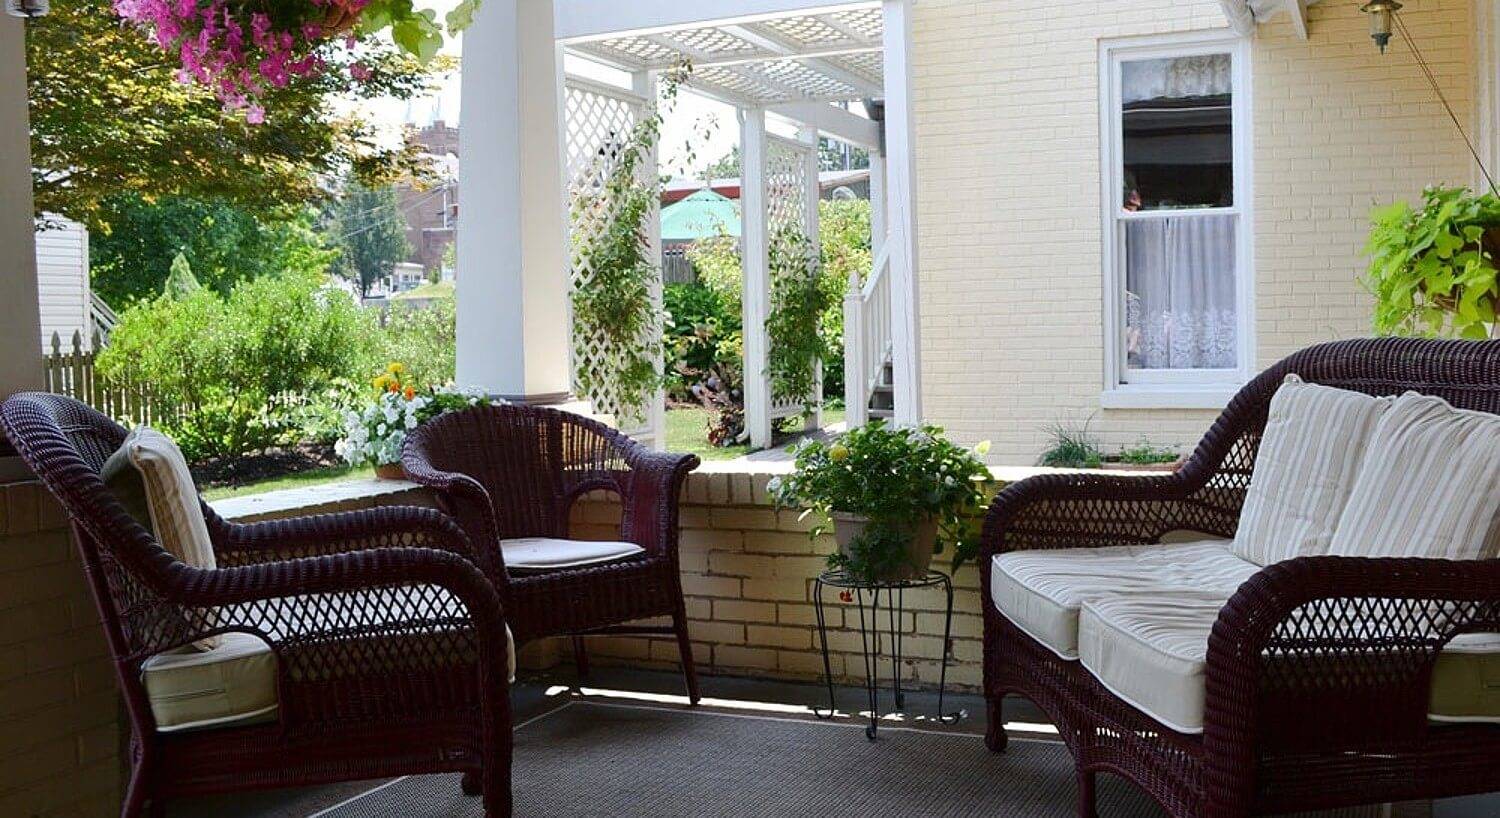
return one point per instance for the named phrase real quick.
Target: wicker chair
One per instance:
(1281, 732)
(390, 652)
(512, 472)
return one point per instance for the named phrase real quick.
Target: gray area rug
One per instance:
(603, 759)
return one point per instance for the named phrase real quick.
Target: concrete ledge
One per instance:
(348, 495)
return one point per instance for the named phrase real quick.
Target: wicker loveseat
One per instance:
(1314, 688)
(372, 636)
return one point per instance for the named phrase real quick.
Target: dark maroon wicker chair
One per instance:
(389, 643)
(1281, 732)
(507, 472)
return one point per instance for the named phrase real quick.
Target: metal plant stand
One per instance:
(869, 636)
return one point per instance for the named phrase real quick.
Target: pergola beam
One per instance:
(707, 60)
(762, 38)
(835, 122)
(1298, 10)
(594, 19)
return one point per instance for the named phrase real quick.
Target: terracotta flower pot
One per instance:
(390, 471)
(920, 543)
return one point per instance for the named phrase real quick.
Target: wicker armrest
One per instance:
(1084, 510)
(325, 534)
(1338, 650)
(650, 497)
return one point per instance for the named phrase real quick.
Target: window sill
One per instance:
(1168, 397)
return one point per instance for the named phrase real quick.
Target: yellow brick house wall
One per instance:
(1008, 163)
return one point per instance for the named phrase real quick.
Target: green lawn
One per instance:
(303, 479)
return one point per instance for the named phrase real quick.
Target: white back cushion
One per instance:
(1309, 457)
(1429, 485)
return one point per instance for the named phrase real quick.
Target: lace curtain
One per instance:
(1207, 75)
(1180, 302)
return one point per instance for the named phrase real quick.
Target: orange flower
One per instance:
(395, 386)
(411, 392)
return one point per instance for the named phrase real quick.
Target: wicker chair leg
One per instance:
(580, 658)
(685, 649)
(496, 780)
(994, 729)
(1087, 806)
(136, 795)
(472, 784)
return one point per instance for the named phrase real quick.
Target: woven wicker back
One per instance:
(65, 443)
(533, 461)
(1465, 373)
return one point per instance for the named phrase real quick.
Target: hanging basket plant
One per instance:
(796, 308)
(240, 49)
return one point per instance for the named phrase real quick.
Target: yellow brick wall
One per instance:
(1007, 119)
(59, 710)
(747, 573)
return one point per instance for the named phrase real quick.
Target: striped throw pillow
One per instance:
(1429, 485)
(1309, 457)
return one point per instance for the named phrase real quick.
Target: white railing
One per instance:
(867, 337)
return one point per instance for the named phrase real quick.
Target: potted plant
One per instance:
(375, 434)
(1433, 269)
(894, 496)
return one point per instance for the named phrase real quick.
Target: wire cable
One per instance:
(1432, 80)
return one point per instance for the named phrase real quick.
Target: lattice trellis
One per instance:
(787, 179)
(598, 122)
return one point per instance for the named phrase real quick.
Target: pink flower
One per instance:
(360, 72)
(255, 115)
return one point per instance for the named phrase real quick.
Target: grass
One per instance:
(687, 431)
(303, 479)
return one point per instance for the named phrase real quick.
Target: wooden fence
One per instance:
(71, 372)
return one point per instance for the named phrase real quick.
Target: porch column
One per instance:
(808, 135)
(644, 84)
(879, 222)
(906, 336)
(755, 258)
(20, 323)
(513, 319)
(1487, 23)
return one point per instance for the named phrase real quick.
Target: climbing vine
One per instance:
(617, 305)
(797, 305)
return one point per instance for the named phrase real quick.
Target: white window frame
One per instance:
(1125, 388)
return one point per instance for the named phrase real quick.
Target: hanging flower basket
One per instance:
(242, 49)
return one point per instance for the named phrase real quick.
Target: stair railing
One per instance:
(867, 337)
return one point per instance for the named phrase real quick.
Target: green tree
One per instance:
(108, 116)
(725, 167)
(370, 231)
(137, 241)
(181, 282)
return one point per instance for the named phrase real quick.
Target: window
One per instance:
(1177, 220)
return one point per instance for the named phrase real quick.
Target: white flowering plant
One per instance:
(375, 434)
(892, 476)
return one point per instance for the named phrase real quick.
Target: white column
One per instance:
(906, 336)
(808, 136)
(879, 222)
(856, 399)
(20, 321)
(755, 257)
(1487, 24)
(643, 83)
(513, 318)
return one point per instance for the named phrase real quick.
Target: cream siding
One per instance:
(62, 278)
(1007, 117)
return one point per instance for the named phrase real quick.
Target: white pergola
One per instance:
(528, 126)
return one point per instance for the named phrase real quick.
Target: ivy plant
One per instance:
(1433, 269)
(792, 323)
(894, 477)
(618, 303)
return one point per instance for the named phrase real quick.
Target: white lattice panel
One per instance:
(787, 180)
(598, 122)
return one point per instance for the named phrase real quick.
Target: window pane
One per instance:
(1180, 301)
(1178, 137)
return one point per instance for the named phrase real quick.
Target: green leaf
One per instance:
(462, 15)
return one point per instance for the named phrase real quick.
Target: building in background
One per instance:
(431, 212)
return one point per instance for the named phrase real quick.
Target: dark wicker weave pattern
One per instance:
(1318, 668)
(515, 471)
(389, 641)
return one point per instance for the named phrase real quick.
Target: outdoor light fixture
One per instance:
(1381, 12)
(27, 8)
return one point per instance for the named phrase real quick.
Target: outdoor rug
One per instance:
(589, 758)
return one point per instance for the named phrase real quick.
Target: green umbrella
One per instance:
(703, 215)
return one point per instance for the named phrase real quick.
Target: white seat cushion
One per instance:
(547, 554)
(1151, 650)
(234, 682)
(1041, 591)
(1429, 485)
(1309, 457)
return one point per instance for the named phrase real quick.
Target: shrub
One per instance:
(233, 375)
(422, 338)
(698, 333)
(1073, 447)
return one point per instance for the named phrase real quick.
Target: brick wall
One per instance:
(1007, 117)
(59, 711)
(747, 574)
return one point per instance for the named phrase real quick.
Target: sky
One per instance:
(711, 126)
